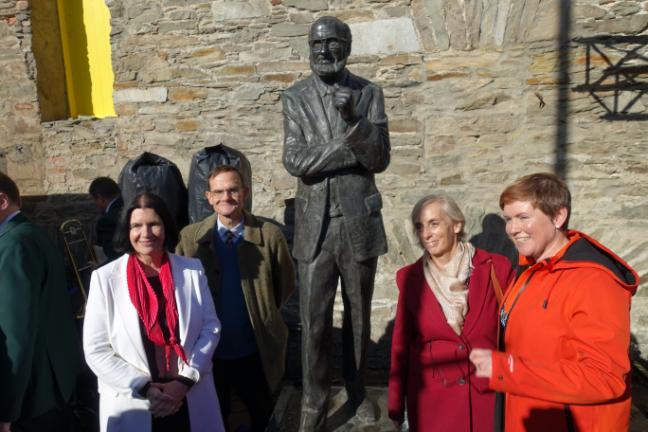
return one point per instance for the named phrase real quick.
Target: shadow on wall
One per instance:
(493, 238)
(616, 75)
(562, 113)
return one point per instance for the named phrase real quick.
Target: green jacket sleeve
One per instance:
(20, 286)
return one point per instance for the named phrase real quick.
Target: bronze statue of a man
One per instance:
(336, 139)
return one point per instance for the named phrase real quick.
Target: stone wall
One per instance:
(20, 129)
(477, 93)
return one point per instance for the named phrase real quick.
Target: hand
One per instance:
(162, 405)
(345, 104)
(173, 388)
(5, 426)
(483, 361)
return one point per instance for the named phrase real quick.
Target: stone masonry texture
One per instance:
(477, 93)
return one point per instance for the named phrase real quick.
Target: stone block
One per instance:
(187, 125)
(354, 15)
(625, 8)
(239, 9)
(248, 92)
(545, 26)
(23, 106)
(401, 60)
(589, 11)
(479, 101)
(404, 125)
(285, 66)
(235, 70)
(287, 78)
(265, 52)
(154, 139)
(178, 26)
(403, 139)
(290, 30)
(182, 14)
(625, 25)
(397, 11)
(430, 23)
(436, 145)
(212, 53)
(311, 5)
(183, 94)
(438, 76)
(151, 94)
(387, 36)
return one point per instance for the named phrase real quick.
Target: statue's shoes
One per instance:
(338, 400)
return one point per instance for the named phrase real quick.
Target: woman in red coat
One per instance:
(565, 321)
(447, 304)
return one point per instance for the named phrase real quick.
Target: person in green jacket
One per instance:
(40, 354)
(250, 275)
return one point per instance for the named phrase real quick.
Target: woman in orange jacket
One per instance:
(565, 320)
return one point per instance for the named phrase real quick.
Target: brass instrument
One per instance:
(81, 256)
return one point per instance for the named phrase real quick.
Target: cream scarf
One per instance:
(449, 284)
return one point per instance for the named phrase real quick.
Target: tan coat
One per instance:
(267, 279)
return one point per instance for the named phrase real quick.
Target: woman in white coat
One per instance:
(151, 329)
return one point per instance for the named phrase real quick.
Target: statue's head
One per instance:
(330, 45)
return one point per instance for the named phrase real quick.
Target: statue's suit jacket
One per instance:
(40, 353)
(317, 149)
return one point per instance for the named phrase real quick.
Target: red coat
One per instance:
(430, 369)
(566, 342)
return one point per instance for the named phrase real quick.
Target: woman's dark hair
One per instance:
(121, 241)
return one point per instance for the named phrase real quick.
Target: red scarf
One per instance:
(145, 301)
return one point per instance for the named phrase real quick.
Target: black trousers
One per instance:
(55, 420)
(245, 377)
(318, 284)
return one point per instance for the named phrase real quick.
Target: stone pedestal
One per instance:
(287, 411)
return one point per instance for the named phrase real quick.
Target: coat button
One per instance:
(461, 381)
(500, 377)
(461, 347)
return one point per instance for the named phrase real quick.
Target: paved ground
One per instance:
(286, 416)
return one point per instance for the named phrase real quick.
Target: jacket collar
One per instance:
(478, 289)
(14, 222)
(128, 313)
(251, 231)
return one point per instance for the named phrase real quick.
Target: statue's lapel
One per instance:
(315, 109)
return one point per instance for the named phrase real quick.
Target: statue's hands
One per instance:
(345, 104)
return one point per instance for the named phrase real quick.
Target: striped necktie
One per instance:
(229, 238)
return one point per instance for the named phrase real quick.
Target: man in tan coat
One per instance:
(250, 273)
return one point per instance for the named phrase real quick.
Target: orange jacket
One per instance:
(566, 365)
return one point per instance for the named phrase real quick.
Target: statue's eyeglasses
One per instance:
(330, 44)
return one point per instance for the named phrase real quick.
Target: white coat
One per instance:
(113, 347)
